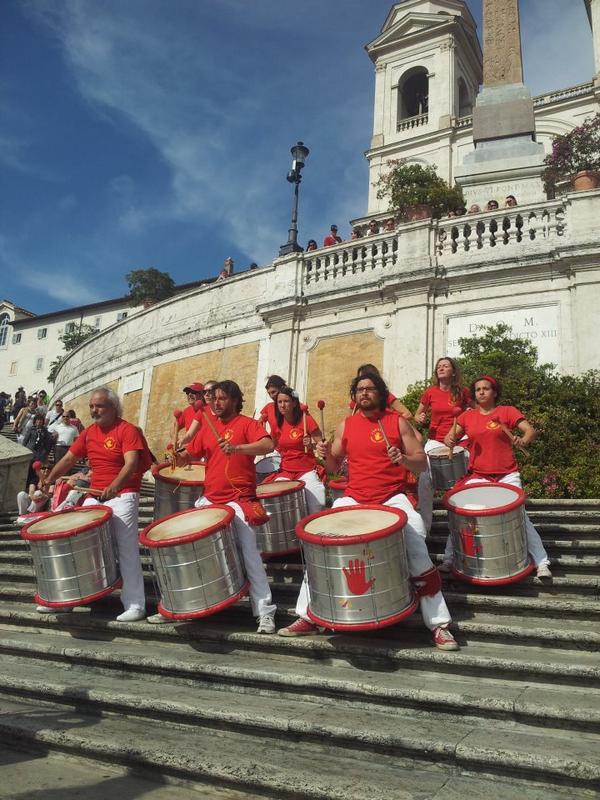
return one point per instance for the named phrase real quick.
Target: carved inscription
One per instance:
(502, 59)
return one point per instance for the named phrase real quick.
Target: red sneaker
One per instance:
(443, 639)
(300, 627)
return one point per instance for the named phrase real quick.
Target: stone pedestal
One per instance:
(14, 466)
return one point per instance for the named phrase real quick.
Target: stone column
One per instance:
(503, 120)
(593, 10)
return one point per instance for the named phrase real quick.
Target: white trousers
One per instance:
(124, 528)
(534, 543)
(314, 491)
(425, 488)
(26, 505)
(433, 609)
(260, 591)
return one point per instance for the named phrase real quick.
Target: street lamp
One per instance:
(299, 155)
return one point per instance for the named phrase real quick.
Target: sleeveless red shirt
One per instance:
(372, 476)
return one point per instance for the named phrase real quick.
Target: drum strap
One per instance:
(253, 510)
(428, 583)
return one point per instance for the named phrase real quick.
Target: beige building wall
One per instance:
(131, 406)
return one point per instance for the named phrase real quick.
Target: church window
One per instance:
(4, 320)
(465, 103)
(413, 98)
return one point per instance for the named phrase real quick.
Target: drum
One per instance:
(357, 567)
(337, 487)
(74, 556)
(176, 489)
(487, 525)
(446, 471)
(285, 503)
(267, 466)
(196, 560)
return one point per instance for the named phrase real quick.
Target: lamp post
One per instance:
(299, 155)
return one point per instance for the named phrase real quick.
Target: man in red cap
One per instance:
(183, 418)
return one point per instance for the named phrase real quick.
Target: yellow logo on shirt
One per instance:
(376, 435)
(109, 443)
(295, 433)
(227, 434)
(492, 425)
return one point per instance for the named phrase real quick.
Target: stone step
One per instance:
(246, 762)
(401, 646)
(513, 748)
(452, 695)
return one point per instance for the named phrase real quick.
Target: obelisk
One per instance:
(507, 159)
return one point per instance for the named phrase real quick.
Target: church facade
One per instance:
(399, 299)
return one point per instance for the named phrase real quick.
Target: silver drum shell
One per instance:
(199, 577)
(75, 568)
(445, 471)
(389, 599)
(278, 535)
(490, 549)
(169, 498)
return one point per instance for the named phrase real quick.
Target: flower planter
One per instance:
(419, 211)
(586, 179)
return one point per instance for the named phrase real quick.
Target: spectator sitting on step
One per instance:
(510, 201)
(311, 245)
(74, 420)
(492, 205)
(34, 500)
(372, 228)
(42, 401)
(39, 440)
(227, 270)
(332, 237)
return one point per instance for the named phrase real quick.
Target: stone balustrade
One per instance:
(356, 257)
(413, 122)
(499, 229)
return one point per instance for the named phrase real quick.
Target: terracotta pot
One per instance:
(419, 211)
(586, 179)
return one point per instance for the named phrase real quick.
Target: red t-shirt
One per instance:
(490, 449)
(233, 477)
(372, 476)
(441, 405)
(105, 450)
(186, 416)
(288, 441)
(269, 412)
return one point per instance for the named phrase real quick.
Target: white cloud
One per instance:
(65, 286)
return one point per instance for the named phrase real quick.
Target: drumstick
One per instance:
(321, 406)
(304, 410)
(512, 437)
(456, 411)
(209, 422)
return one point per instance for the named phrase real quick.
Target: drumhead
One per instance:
(489, 498)
(277, 488)
(351, 522)
(194, 474)
(443, 452)
(64, 522)
(187, 523)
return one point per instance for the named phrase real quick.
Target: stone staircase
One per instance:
(515, 713)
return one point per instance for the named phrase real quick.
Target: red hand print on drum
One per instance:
(355, 577)
(467, 537)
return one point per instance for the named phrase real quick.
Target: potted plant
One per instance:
(575, 157)
(417, 192)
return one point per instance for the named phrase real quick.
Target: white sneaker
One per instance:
(132, 614)
(543, 571)
(266, 624)
(48, 610)
(157, 619)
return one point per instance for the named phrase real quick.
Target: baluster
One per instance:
(519, 227)
(308, 265)
(560, 221)
(546, 224)
(467, 231)
(532, 225)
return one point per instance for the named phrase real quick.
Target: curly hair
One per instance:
(231, 390)
(379, 384)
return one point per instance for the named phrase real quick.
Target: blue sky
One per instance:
(141, 133)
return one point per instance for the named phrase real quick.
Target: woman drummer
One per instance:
(442, 400)
(295, 434)
(490, 431)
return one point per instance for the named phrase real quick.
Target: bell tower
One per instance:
(428, 68)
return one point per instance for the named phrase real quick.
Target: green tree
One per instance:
(407, 185)
(565, 410)
(147, 286)
(71, 340)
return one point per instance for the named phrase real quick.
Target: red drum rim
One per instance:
(483, 512)
(364, 626)
(275, 553)
(80, 601)
(282, 492)
(31, 536)
(495, 581)
(188, 537)
(338, 483)
(156, 468)
(336, 541)
(182, 616)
